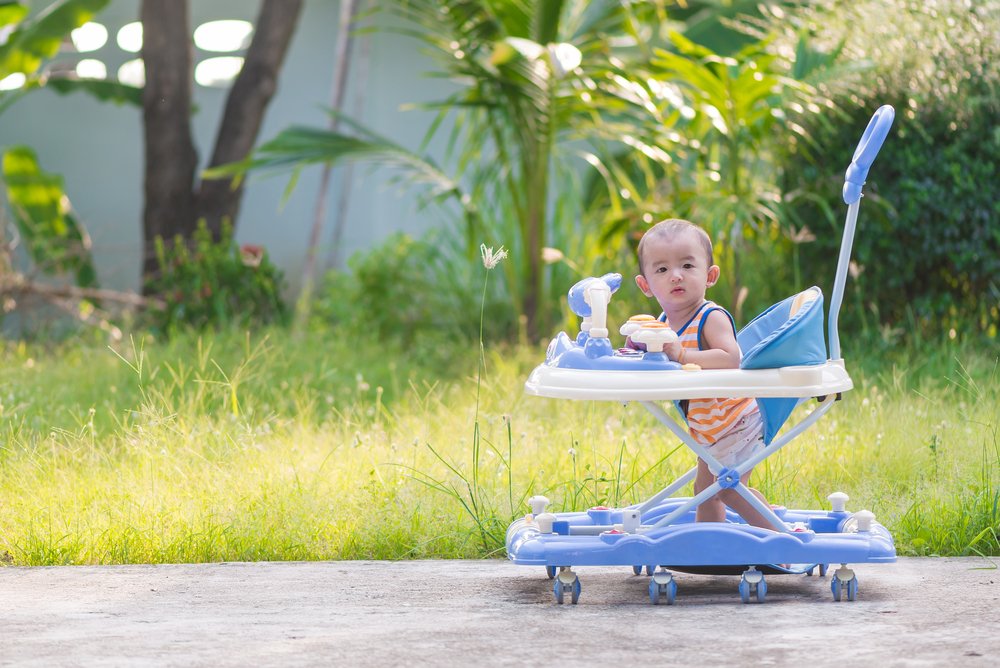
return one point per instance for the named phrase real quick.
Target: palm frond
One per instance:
(299, 146)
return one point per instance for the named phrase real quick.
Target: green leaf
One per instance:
(546, 20)
(11, 13)
(40, 37)
(105, 91)
(55, 239)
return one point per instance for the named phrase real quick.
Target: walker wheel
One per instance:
(744, 591)
(752, 584)
(844, 582)
(660, 591)
(567, 581)
(637, 570)
(650, 569)
(550, 571)
(662, 586)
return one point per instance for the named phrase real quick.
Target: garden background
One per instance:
(238, 406)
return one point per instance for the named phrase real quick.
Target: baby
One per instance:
(676, 268)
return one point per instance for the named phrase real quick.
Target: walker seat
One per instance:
(785, 362)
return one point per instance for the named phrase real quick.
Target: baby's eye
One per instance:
(660, 270)
(688, 265)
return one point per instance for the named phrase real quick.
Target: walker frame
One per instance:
(661, 532)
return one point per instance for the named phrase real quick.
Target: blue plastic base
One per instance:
(686, 543)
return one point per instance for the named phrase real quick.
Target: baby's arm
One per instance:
(721, 352)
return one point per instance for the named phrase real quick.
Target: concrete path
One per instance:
(917, 612)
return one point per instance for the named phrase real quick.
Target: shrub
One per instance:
(420, 291)
(927, 249)
(215, 284)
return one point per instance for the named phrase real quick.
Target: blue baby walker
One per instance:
(784, 363)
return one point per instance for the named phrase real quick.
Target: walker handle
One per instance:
(864, 155)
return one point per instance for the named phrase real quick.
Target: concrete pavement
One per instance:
(917, 612)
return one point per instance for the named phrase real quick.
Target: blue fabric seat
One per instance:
(790, 333)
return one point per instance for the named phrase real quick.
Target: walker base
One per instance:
(817, 538)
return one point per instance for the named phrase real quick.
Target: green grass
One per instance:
(231, 447)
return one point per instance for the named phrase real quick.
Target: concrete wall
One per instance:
(98, 147)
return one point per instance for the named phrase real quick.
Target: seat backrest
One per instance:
(790, 333)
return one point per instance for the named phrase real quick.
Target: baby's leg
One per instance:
(756, 492)
(711, 510)
(734, 500)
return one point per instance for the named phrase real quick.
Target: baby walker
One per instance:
(784, 363)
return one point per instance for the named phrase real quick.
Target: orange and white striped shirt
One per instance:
(711, 419)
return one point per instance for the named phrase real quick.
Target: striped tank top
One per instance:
(710, 419)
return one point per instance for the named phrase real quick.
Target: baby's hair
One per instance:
(669, 228)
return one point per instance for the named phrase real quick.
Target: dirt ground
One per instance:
(917, 612)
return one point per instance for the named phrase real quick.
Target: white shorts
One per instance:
(744, 441)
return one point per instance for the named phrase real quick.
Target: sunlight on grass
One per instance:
(237, 448)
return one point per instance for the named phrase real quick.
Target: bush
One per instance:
(927, 249)
(215, 284)
(415, 290)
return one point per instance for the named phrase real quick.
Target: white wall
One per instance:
(97, 147)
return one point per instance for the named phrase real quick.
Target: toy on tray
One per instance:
(785, 362)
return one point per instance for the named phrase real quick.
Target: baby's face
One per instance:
(676, 271)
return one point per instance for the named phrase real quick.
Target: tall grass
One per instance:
(235, 447)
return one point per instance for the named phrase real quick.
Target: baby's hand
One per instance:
(634, 345)
(654, 337)
(673, 350)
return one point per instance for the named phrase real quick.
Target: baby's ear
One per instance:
(643, 284)
(713, 275)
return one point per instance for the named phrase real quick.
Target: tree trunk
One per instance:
(170, 160)
(217, 201)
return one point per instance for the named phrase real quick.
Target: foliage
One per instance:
(531, 79)
(405, 293)
(709, 157)
(35, 40)
(214, 284)
(56, 241)
(38, 39)
(928, 244)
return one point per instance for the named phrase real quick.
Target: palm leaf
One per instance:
(545, 22)
(105, 91)
(299, 146)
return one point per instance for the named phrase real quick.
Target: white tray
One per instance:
(792, 381)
